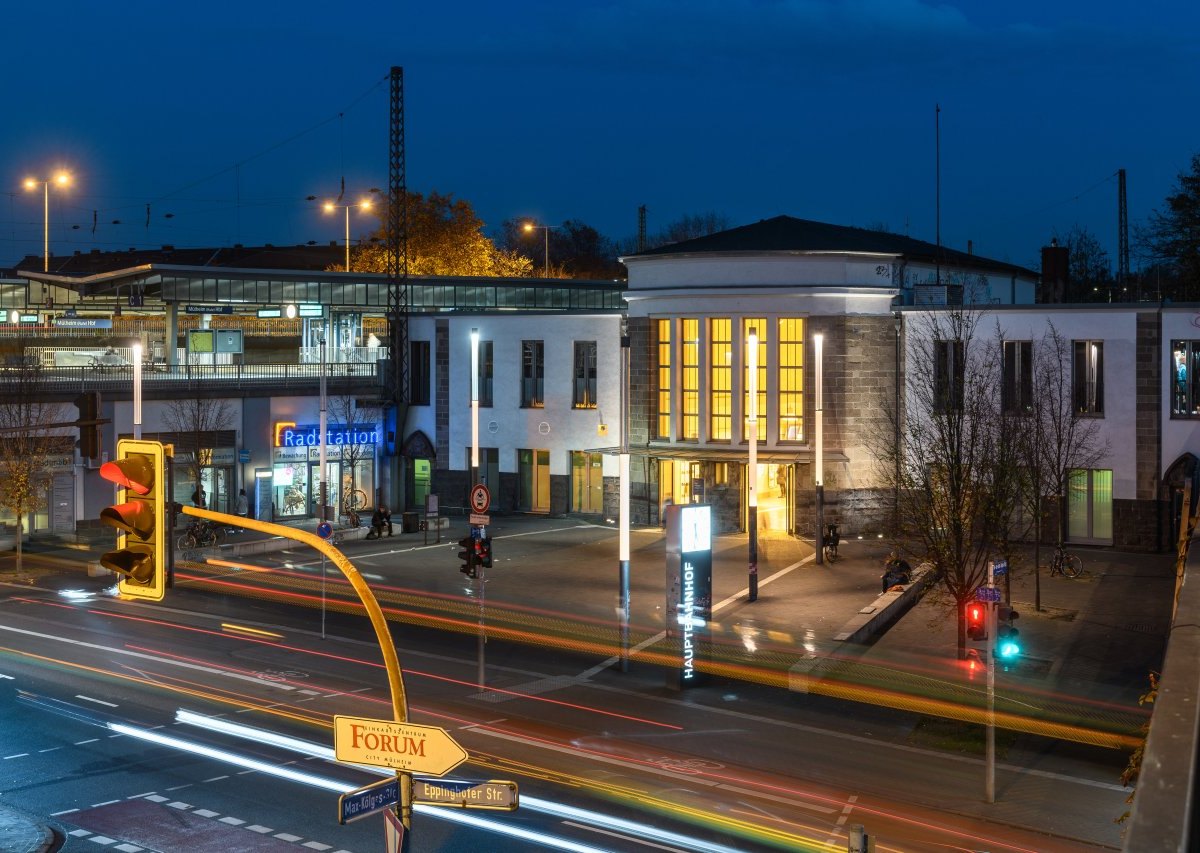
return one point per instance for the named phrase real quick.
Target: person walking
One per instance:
(243, 506)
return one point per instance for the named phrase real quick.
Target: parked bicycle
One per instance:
(201, 534)
(1067, 565)
(831, 542)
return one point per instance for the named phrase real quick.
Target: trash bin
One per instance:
(410, 522)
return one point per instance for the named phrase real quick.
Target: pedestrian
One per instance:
(200, 497)
(243, 506)
(387, 518)
(896, 570)
(377, 522)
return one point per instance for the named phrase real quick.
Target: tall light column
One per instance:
(61, 179)
(330, 207)
(623, 510)
(323, 497)
(137, 391)
(819, 449)
(479, 570)
(752, 463)
(529, 228)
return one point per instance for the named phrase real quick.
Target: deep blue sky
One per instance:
(585, 110)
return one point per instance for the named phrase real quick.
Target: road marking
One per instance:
(588, 674)
(97, 701)
(89, 740)
(835, 835)
(17, 755)
(9, 677)
(105, 803)
(621, 836)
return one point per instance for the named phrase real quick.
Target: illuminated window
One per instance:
(1089, 377)
(760, 328)
(720, 473)
(689, 397)
(585, 375)
(791, 379)
(533, 374)
(662, 353)
(1185, 379)
(720, 388)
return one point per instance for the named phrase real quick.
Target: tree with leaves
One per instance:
(1173, 234)
(27, 443)
(445, 237)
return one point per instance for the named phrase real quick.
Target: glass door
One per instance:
(1089, 506)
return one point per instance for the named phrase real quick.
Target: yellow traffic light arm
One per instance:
(370, 604)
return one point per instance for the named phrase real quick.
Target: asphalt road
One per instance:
(737, 765)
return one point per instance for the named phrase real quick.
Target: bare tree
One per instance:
(27, 442)
(343, 408)
(949, 457)
(195, 423)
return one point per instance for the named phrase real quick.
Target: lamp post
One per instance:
(61, 179)
(330, 207)
(479, 570)
(529, 228)
(623, 508)
(752, 464)
(819, 450)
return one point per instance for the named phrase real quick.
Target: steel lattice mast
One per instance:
(397, 255)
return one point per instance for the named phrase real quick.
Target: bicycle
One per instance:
(831, 543)
(1067, 565)
(201, 534)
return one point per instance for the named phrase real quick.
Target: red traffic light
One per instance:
(976, 621)
(135, 473)
(136, 517)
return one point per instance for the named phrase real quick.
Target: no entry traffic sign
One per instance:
(481, 498)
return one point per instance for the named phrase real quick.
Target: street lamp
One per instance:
(62, 179)
(529, 228)
(330, 207)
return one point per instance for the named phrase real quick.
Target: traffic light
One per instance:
(976, 620)
(141, 556)
(1008, 646)
(88, 404)
(467, 555)
(484, 552)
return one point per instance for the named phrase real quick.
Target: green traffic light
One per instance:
(1008, 649)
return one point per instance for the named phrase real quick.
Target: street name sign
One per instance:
(987, 594)
(402, 746)
(1000, 567)
(492, 794)
(481, 520)
(368, 800)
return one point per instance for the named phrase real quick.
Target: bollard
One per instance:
(858, 841)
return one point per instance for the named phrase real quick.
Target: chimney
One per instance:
(1056, 273)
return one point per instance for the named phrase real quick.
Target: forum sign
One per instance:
(689, 590)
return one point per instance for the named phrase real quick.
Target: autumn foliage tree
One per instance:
(445, 237)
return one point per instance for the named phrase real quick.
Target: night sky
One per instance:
(226, 115)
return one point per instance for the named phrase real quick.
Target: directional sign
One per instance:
(493, 794)
(368, 800)
(481, 498)
(403, 746)
(987, 594)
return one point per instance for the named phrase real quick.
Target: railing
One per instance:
(161, 377)
(1164, 815)
(343, 355)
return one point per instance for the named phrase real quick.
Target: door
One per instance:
(587, 482)
(1089, 506)
(534, 477)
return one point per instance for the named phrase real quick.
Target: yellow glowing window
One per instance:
(720, 372)
(689, 397)
(759, 325)
(791, 379)
(662, 350)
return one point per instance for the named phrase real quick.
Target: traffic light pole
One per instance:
(990, 782)
(370, 605)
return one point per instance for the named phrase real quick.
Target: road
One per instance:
(734, 765)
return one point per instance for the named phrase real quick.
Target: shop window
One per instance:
(1185, 379)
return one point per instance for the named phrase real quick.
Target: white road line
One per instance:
(89, 740)
(588, 674)
(621, 836)
(17, 755)
(97, 701)
(66, 811)
(9, 677)
(105, 803)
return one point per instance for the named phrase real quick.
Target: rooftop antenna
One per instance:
(937, 172)
(1122, 235)
(641, 235)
